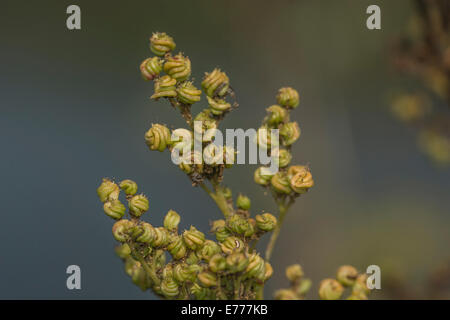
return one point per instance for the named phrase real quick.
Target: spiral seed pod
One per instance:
(199, 292)
(276, 115)
(188, 93)
(303, 287)
(236, 262)
(161, 43)
(114, 209)
(286, 294)
(290, 132)
(140, 278)
(269, 271)
(123, 250)
(164, 88)
(218, 106)
(216, 224)
(215, 83)
(129, 187)
(243, 202)
(193, 238)
(178, 67)
(294, 273)
(184, 272)
(256, 267)
(284, 158)
(162, 237)
(266, 222)
(138, 205)
(207, 279)
(222, 233)
(147, 234)
(208, 125)
(151, 68)
(232, 244)
(121, 229)
(347, 275)
(280, 183)
(209, 249)
(240, 225)
(171, 220)
(192, 258)
(229, 158)
(288, 98)
(264, 138)
(177, 248)
(108, 190)
(360, 285)
(300, 179)
(330, 289)
(217, 263)
(169, 288)
(158, 137)
(262, 176)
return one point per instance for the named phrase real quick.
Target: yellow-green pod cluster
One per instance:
(114, 209)
(207, 279)
(218, 106)
(129, 187)
(300, 179)
(121, 230)
(243, 202)
(294, 273)
(151, 68)
(330, 289)
(276, 115)
(232, 244)
(289, 132)
(240, 225)
(140, 277)
(177, 248)
(208, 125)
(178, 67)
(209, 249)
(284, 158)
(347, 275)
(165, 88)
(158, 137)
(108, 190)
(266, 221)
(123, 250)
(280, 183)
(256, 267)
(171, 220)
(161, 43)
(288, 97)
(262, 176)
(193, 238)
(138, 204)
(215, 83)
(188, 93)
(217, 263)
(236, 262)
(147, 233)
(169, 288)
(162, 237)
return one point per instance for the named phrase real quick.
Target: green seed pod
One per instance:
(286, 294)
(276, 115)
(171, 220)
(264, 138)
(300, 179)
(256, 267)
(199, 292)
(161, 43)
(288, 98)
(140, 278)
(114, 209)
(330, 289)
(121, 230)
(216, 224)
(218, 106)
(243, 202)
(294, 273)
(217, 263)
(184, 272)
(123, 250)
(289, 133)
(162, 237)
(262, 176)
(164, 88)
(240, 225)
(215, 83)
(280, 183)
(222, 233)
(129, 187)
(207, 279)
(138, 205)
(208, 125)
(151, 68)
(108, 190)
(284, 158)
(169, 288)
(167, 272)
(360, 285)
(303, 287)
(184, 140)
(236, 262)
(188, 93)
(229, 156)
(192, 258)
(266, 222)
(269, 271)
(147, 233)
(158, 137)
(193, 238)
(177, 248)
(178, 67)
(347, 275)
(232, 244)
(209, 249)
(159, 258)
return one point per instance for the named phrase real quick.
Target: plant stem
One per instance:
(283, 208)
(149, 270)
(237, 287)
(219, 198)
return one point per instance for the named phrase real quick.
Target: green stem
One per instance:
(237, 287)
(149, 270)
(219, 198)
(283, 208)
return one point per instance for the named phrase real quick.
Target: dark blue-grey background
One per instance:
(74, 109)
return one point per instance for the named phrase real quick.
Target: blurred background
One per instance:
(74, 109)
